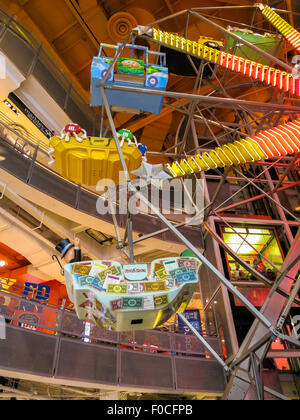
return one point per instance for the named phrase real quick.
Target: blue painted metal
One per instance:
(194, 318)
(131, 72)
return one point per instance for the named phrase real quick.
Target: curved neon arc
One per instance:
(275, 142)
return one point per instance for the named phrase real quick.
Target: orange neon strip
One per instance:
(269, 75)
(264, 146)
(275, 142)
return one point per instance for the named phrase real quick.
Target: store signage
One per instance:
(28, 321)
(30, 115)
(10, 106)
(193, 316)
(37, 293)
(42, 291)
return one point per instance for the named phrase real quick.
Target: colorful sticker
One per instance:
(132, 303)
(117, 289)
(113, 270)
(155, 286)
(158, 266)
(162, 274)
(187, 277)
(97, 284)
(107, 263)
(82, 270)
(111, 280)
(148, 302)
(135, 272)
(97, 268)
(170, 283)
(85, 281)
(180, 270)
(116, 305)
(188, 263)
(170, 265)
(161, 300)
(134, 288)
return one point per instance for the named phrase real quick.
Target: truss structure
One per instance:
(244, 370)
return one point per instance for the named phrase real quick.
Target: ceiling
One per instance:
(13, 260)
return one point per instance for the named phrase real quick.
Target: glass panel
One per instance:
(248, 243)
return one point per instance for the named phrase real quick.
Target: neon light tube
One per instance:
(275, 142)
(257, 71)
(290, 33)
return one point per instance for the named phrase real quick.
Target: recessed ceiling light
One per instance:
(2, 263)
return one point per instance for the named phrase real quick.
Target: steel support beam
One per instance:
(237, 389)
(217, 102)
(204, 342)
(244, 42)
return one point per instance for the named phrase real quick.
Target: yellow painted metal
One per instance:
(93, 159)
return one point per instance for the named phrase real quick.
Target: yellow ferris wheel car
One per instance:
(210, 42)
(87, 160)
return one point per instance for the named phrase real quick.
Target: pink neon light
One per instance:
(281, 79)
(289, 148)
(292, 137)
(278, 146)
(263, 146)
(279, 141)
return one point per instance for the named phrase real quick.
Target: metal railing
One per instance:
(50, 342)
(29, 56)
(32, 167)
(54, 317)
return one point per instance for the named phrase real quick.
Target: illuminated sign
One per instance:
(194, 318)
(29, 321)
(10, 106)
(30, 115)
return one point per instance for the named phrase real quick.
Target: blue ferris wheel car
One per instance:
(130, 72)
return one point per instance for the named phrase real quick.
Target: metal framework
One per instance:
(244, 369)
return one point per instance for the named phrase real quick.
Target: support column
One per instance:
(237, 389)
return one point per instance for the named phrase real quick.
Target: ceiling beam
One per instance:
(77, 14)
(236, 2)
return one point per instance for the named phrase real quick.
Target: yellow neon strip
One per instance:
(219, 161)
(258, 71)
(285, 136)
(255, 147)
(290, 33)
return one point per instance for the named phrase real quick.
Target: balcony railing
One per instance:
(47, 341)
(29, 56)
(27, 160)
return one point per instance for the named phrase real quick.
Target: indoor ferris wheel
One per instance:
(238, 123)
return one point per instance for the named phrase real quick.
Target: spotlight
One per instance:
(2, 263)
